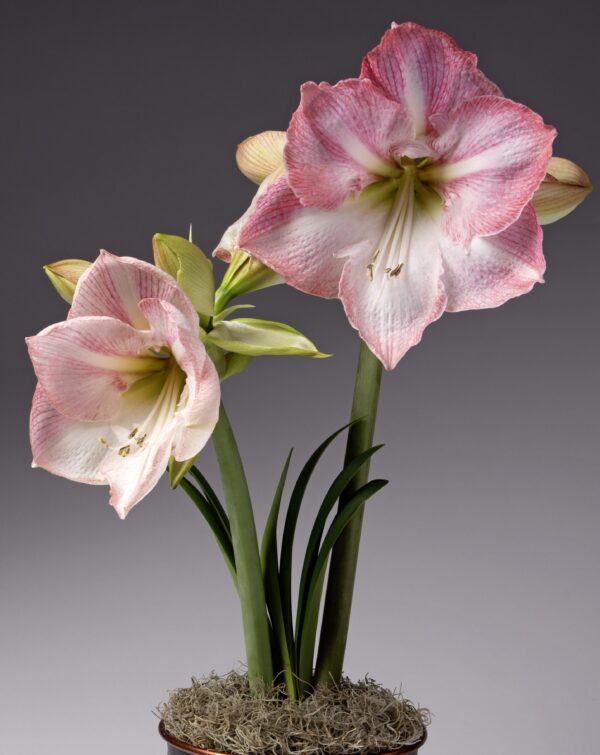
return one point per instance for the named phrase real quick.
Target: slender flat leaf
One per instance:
(269, 562)
(212, 498)
(289, 531)
(308, 634)
(312, 549)
(222, 536)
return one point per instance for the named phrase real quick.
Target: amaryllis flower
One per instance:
(124, 382)
(407, 192)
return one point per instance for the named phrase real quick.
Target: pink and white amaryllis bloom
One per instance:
(123, 383)
(407, 192)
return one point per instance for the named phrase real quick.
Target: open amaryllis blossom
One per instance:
(123, 383)
(407, 192)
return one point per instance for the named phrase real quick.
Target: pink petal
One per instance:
(390, 313)
(342, 138)
(230, 241)
(425, 71)
(114, 286)
(85, 364)
(302, 244)
(494, 269)
(64, 446)
(198, 409)
(493, 156)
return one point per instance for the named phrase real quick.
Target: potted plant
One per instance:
(410, 191)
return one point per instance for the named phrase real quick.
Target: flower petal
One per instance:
(494, 269)
(198, 406)
(302, 243)
(64, 446)
(230, 241)
(390, 313)
(114, 286)
(425, 71)
(493, 156)
(87, 363)
(260, 155)
(342, 138)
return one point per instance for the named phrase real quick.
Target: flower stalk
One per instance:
(344, 558)
(247, 558)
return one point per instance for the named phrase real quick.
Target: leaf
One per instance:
(312, 549)
(289, 531)
(307, 639)
(189, 266)
(212, 498)
(213, 521)
(269, 561)
(261, 337)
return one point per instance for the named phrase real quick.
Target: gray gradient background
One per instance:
(478, 586)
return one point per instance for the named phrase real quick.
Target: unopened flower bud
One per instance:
(64, 275)
(564, 187)
(189, 266)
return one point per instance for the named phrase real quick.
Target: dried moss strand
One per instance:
(221, 714)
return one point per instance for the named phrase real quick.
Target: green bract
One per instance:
(189, 266)
(253, 337)
(243, 275)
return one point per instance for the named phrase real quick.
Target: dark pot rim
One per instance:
(200, 751)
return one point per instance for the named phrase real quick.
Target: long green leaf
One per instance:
(311, 619)
(289, 531)
(312, 549)
(222, 536)
(269, 562)
(212, 498)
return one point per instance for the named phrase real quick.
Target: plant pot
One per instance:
(176, 747)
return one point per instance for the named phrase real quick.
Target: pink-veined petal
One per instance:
(493, 156)
(64, 446)
(230, 241)
(390, 313)
(302, 244)
(85, 364)
(114, 286)
(342, 138)
(494, 269)
(424, 70)
(198, 406)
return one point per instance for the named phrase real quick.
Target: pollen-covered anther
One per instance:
(141, 439)
(133, 433)
(124, 451)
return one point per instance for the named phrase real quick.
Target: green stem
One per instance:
(247, 558)
(344, 557)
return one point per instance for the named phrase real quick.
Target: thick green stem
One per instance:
(344, 557)
(247, 557)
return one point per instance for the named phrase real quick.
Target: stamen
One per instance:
(102, 440)
(395, 241)
(133, 433)
(140, 439)
(124, 451)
